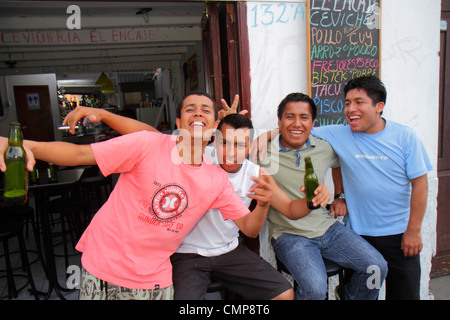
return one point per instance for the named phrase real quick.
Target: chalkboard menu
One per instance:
(343, 38)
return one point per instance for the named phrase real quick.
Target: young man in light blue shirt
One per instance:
(384, 169)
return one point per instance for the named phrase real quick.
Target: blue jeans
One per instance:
(303, 257)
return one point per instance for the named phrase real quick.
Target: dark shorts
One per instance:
(241, 271)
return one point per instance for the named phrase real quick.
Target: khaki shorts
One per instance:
(92, 288)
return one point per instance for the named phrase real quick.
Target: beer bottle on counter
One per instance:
(51, 171)
(34, 176)
(16, 174)
(311, 183)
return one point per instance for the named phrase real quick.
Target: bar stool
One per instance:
(96, 189)
(69, 211)
(12, 222)
(216, 286)
(331, 268)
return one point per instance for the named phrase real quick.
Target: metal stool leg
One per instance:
(12, 292)
(26, 264)
(332, 269)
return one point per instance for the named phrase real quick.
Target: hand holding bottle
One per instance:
(321, 195)
(31, 161)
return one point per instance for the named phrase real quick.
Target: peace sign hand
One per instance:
(226, 110)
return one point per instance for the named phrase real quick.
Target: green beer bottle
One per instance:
(51, 171)
(16, 173)
(33, 176)
(311, 183)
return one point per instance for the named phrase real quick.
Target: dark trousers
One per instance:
(403, 277)
(241, 271)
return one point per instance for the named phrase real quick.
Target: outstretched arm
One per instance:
(121, 124)
(125, 125)
(60, 153)
(258, 147)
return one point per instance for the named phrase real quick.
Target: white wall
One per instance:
(409, 69)
(277, 57)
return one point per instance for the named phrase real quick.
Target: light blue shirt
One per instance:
(376, 172)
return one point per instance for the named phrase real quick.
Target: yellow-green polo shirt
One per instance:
(287, 166)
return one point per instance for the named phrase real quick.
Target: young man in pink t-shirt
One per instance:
(165, 187)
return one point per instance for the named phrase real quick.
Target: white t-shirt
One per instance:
(213, 236)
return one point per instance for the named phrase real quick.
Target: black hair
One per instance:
(198, 93)
(371, 84)
(237, 121)
(297, 97)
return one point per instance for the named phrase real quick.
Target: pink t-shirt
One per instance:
(157, 200)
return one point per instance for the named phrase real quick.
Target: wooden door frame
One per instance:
(244, 58)
(227, 64)
(441, 261)
(214, 57)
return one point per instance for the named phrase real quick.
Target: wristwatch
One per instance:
(339, 196)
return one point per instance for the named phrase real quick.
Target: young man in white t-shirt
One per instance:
(213, 248)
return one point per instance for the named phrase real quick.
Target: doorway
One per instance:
(34, 112)
(226, 53)
(441, 261)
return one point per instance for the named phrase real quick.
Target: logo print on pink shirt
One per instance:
(169, 202)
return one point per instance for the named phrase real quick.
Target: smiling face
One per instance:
(295, 124)
(361, 113)
(233, 146)
(198, 117)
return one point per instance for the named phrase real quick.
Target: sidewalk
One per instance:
(440, 287)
